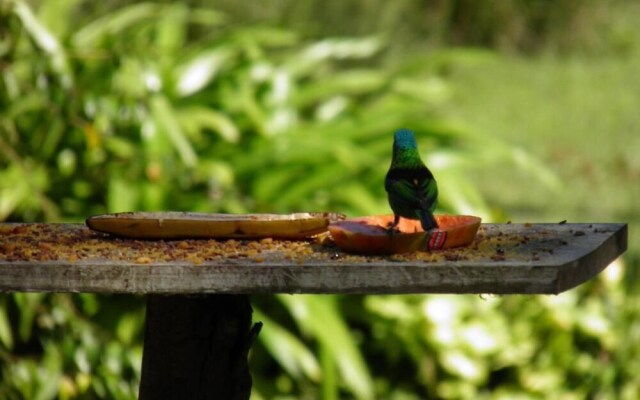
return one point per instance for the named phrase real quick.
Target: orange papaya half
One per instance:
(370, 234)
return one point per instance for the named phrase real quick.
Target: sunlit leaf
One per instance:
(359, 198)
(49, 373)
(206, 16)
(536, 167)
(431, 91)
(57, 16)
(172, 28)
(129, 78)
(304, 188)
(128, 326)
(120, 147)
(288, 350)
(463, 365)
(254, 40)
(201, 118)
(114, 23)
(460, 195)
(346, 83)
(327, 49)
(330, 386)
(6, 335)
(331, 108)
(167, 122)
(319, 317)
(19, 188)
(28, 305)
(153, 197)
(123, 195)
(200, 71)
(10, 198)
(27, 103)
(270, 186)
(46, 41)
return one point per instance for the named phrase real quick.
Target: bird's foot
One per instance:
(392, 229)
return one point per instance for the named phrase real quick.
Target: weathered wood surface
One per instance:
(505, 258)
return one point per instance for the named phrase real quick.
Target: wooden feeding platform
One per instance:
(503, 259)
(198, 328)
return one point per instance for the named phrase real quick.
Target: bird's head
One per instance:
(404, 139)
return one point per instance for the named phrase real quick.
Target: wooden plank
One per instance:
(504, 258)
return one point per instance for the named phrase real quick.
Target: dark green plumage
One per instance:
(411, 187)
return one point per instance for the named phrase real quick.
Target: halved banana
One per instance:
(177, 225)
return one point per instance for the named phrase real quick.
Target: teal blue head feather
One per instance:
(404, 139)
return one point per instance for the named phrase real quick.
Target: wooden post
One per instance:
(195, 347)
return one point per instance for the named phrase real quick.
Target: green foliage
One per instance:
(509, 25)
(491, 348)
(174, 106)
(132, 108)
(61, 346)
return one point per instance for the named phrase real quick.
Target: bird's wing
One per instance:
(408, 190)
(428, 189)
(422, 193)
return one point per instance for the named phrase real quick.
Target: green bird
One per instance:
(411, 187)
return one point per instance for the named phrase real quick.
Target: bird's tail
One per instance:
(427, 220)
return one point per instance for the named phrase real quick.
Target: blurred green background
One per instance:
(525, 110)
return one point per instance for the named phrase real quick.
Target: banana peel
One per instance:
(182, 225)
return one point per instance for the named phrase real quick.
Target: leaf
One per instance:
(120, 147)
(206, 17)
(197, 118)
(319, 179)
(330, 387)
(308, 60)
(332, 108)
(49, 373)
(537, 168)
(20, 188)
(458, 194)
(6, 336)
(438, 60)
(464, 366)
(28, 304)
(200, 71)
(431, 90)
(153, 196)
(58, 16)
(288, 350)
(12, 195)
(354, 82)
(267, 188)
(122, 195)
(127, 327)
(129, 78)
(319, 317)
(360, 199)
(166, 122)
(28, 102)
(265, 36)
(46, 41)
(171, 29)
(114, 23)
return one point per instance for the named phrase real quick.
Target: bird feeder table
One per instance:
(198, 318)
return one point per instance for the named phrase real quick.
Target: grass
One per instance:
(579, 114)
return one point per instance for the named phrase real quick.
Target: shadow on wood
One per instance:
(196, 347)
